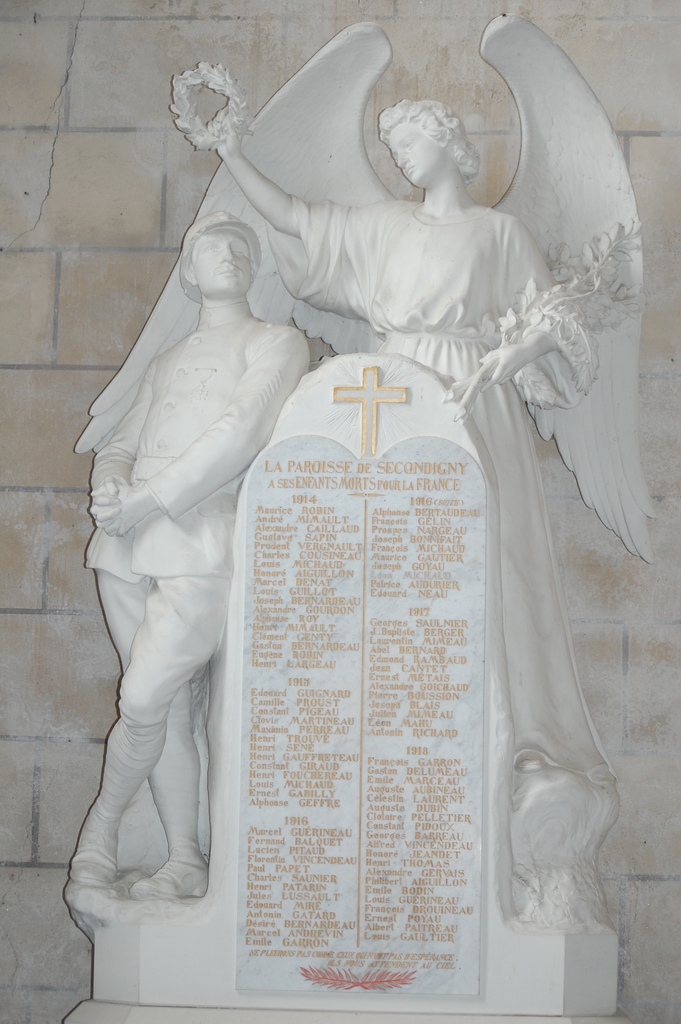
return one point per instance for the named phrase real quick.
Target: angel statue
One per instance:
(527, 306)
(164, 490)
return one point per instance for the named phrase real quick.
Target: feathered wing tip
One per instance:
(309, 138)
(572, 185)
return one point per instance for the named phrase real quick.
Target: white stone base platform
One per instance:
(95, 1012)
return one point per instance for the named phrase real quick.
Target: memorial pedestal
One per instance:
(93, 1012)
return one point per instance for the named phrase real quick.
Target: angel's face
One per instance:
(221, 264)
(421, 158)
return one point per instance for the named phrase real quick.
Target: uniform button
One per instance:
(181, 372)
(161, 444)
(168, 406)
(196, 340)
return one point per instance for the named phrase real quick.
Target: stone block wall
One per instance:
(96, 191)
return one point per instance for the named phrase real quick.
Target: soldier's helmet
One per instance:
(218, 221)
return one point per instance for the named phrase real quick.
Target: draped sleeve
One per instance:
(334, 265)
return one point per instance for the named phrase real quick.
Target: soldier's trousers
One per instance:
(165, 630)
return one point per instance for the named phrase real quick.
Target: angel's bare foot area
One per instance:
(181, 876)
(94, 863)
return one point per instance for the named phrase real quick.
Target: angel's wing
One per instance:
(309, 138)
(571, 184)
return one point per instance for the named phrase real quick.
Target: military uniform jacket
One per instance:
(202, 413)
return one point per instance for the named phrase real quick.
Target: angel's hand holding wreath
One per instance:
(230, 144)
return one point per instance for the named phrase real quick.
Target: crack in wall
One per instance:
(58, 103)
(7, 890)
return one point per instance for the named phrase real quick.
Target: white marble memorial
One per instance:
(406, 792)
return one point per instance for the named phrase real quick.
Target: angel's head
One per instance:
(220, 257)
(407, 128)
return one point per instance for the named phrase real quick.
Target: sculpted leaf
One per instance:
(235, 115)
(377, 980)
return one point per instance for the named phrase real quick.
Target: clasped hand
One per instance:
(117, 507)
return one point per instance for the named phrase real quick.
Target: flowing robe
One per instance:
(435, 293)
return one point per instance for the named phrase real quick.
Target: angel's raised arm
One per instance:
(271, 202)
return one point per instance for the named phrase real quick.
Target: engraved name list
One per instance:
(361, 795)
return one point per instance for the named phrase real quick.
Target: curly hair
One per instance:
(438, 121)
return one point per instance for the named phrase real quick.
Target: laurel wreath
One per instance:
(345, 980)
(235, 114)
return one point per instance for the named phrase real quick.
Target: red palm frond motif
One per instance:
(376, 980)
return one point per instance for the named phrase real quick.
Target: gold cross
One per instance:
(370, 392)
